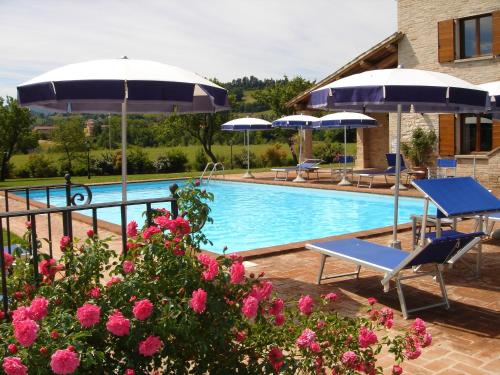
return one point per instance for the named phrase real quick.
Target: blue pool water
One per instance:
(248, 216)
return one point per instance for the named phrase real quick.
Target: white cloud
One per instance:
(218, 38)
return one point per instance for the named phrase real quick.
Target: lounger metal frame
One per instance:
(390, 274)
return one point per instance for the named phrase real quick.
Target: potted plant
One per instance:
(419, 148)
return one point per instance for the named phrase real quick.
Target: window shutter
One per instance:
(496, 134)
(446, 41)
(496, 32)
(447, 135)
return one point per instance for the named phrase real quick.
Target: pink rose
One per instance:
(132, 229)
(14, 366)
(39, 308)
(262, 291)
(163, 221)
(88, 315)
(372, 301)
(64, 361)
(211, 267)
(315, 347)
(237, 271)
(275, 358)
(250, 307)
(118, 325)
(129, 371)
(349, 359)
(179, 226)
(143, 309)
(150, 346)
(236, 258)
(306, 338)
(21, 313)
(128, 266)
(397, 370)
(306, 305)
(332, 297)
(90, 233)
(8, 259)
(279, 320)
(198, 301)
(65, 242)
(277, 307)
(412, 348)
(12, 348)
(426, 340)
(418, 327)
(366, 337)
(25, 331)
(114, 280)
(95, 292)
(150, 231)
(386, 317)
(240, 336)
(49, 267)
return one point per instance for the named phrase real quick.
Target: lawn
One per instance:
(14, 239)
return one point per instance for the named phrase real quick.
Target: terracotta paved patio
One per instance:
(466, 337)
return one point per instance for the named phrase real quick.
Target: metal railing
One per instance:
(65, 212)
(214, 170)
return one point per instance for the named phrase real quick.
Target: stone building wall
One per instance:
(418, 49)
(372, 144)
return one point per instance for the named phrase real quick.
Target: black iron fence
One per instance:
(84, 195)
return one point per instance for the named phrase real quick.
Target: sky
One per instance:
(224, 39)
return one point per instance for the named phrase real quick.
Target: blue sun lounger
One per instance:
(307, 166)
(457, 197)
(389, 171)
(392, 262)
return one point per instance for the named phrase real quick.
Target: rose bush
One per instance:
(166, 307)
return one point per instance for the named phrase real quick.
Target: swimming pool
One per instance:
(249, 216)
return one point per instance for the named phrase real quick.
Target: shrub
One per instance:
(328, 151)
(171, 309)
(200, 160)
(105, 164)
(173, 161)
(39, 166)
(274, 156)
(240, 159)
(419, 148)
(138, 161)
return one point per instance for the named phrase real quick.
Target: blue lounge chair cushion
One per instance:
(446, 163)
(459, 196)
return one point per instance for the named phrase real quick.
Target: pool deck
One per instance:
(466, 337)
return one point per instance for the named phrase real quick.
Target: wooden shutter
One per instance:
(447, 135)
(446, 41)
(496, 32)
(496, 134)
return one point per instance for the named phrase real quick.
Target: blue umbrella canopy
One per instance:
(400, 90)
(247, 124)
(122, 86)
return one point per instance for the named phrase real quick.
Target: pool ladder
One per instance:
(215, 168)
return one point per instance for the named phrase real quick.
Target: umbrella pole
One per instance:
(248, 174)
(124, 150)
(345, 181)
(395, 243)
(299, 177)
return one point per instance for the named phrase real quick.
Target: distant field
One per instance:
(223, 151)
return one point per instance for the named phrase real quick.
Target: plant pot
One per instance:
(422, 175)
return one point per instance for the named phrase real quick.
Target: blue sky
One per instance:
(225, 39)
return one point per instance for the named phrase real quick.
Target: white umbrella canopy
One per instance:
(345, 120)
(296, 122)
(400, 90)
(493, 89)
(122, 86)
(246, 125)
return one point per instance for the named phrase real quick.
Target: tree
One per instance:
(276, 96)
(15, 131)
(70, 139)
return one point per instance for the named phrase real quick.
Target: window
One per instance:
(476, 36)
(476, 133)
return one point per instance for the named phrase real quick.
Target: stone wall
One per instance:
(484, 167)
(372, 144)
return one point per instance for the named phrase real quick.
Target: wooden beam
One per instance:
(389, 62)
(391, 48)
(365, 64)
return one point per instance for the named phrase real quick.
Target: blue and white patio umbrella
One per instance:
(246, 125)
(299, 122)
(345, 120)
(493, 89)
(122, 86)
(400, 90)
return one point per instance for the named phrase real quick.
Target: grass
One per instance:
(14, 239)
